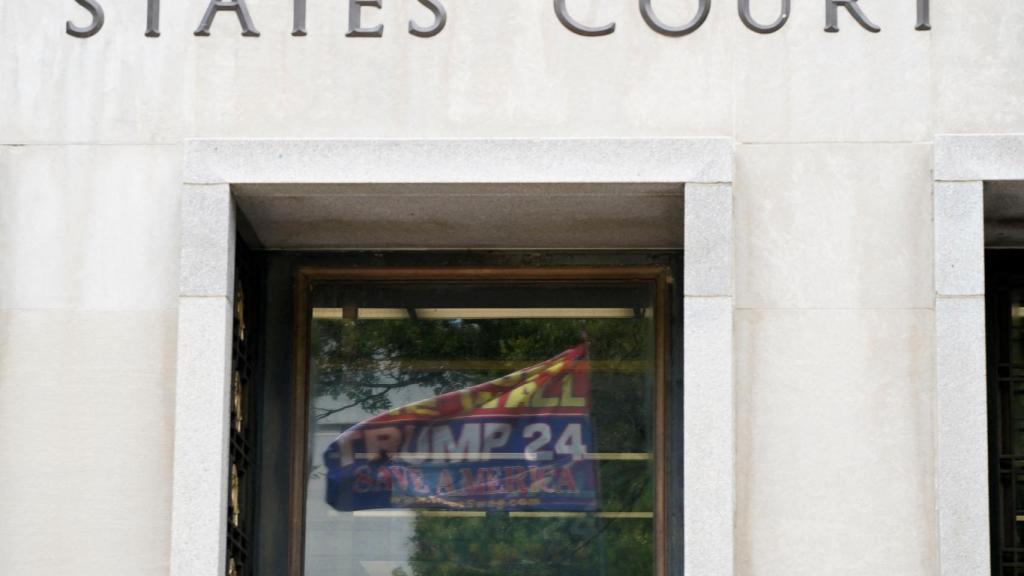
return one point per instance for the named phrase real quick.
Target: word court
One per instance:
(439, 18)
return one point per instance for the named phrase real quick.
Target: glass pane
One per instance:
(481, 429)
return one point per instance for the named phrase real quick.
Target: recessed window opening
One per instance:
(1004, 299)
(459, 426)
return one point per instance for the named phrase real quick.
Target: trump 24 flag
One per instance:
(521, 442)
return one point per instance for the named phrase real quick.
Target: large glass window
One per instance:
(484, 422)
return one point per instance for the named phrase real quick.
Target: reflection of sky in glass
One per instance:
(338, 543)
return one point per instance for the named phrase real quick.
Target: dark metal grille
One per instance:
(1005, 325)
(244, 383)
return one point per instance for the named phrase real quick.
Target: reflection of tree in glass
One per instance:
(365, 361)
(498, 544)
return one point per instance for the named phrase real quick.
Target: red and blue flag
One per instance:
(520, 442)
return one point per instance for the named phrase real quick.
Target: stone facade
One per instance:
(834, 332)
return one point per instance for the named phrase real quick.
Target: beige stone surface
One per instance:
(833, 232)
(503, 160)
(834, 442)
(117, 86)
(804, 85)
(709, 234)
(961, 424)
(207, 241)
(834, 226)
(498, 68)
(709, 446)
(978, 66)
(960, 238)
(89, 227)
(201, 417)
(86, 406)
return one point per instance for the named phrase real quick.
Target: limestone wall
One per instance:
(834, 290)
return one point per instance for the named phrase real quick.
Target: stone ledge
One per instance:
(966, 157)
(520, 160)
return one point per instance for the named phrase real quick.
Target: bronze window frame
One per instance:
(307, 276)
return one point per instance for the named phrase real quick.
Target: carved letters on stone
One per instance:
(440, 18)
